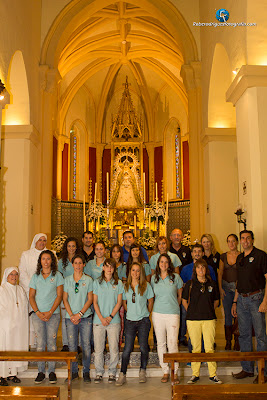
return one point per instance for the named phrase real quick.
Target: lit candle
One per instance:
(156, 195)
(107, 187)
(95, 196)
(84, 215)
(144, 178)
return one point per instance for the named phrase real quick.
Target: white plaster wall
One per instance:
(221, 194)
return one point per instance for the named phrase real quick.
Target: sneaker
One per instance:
(215, 379)
(142, 376)
(188, 364)
(86, 377)
(98, 379)
(65, 348)
(3, 382)
(40, 378)
(121, 379)
(52, 377)
(111, 378)
(193, 379)
(74, 375)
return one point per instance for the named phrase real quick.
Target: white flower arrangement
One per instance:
(58, 241)
(147, 240)
(95, 211)
(101, 235)
(187, 239)
(155, 212)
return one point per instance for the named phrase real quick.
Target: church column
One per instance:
(49, 79)
(191, 75)
(248, 93)
(99, 155)
(60, 147)
(150, 151)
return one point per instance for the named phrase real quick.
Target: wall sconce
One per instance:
(2, 88)
(239, 212)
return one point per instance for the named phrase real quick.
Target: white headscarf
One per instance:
(7, 272)
(36, 238)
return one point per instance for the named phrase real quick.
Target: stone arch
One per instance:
(18, 112)
(220, 113)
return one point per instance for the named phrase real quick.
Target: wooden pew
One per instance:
(42, 393)
(220, 392)
(66, 356)
(260, 357)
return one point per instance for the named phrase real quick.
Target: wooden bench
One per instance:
(65, 356)
(260, 357)
(220, 392)
(44, 393)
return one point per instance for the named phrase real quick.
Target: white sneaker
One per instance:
(193, 379)
(142, 376)
(215, 379)
(121, 379)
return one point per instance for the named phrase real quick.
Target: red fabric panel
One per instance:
(65, 172)
(106, 163)
(92, 168)
(158, 168)
(54, 182)
(186, 170)
(146, 170)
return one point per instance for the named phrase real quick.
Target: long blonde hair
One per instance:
(142, 283)
(210, 239)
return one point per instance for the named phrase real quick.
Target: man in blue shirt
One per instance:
(197, 252)
(128, 240)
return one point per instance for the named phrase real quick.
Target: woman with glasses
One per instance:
(138, 302)
(46, 288)
(77, 298)
(167, 287)
(107, 296)
(200, 299)
(136, 256)
(70, 248)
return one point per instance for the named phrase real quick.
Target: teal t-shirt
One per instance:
(65, 271)
(165, 291)
(138, 310)
(147, 269)
(107, 297)
(78, 300)
(121, 270)
(46, 290)
(92, 269)
(154, 259)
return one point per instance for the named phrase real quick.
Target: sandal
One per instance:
(176, 380)
(165, 378)
(14, 379)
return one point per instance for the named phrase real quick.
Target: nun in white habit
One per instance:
(27, 267)
(14, 325)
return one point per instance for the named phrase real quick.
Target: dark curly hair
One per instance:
(112, 263)
(64, 255)
(53, 265)
(170, 269)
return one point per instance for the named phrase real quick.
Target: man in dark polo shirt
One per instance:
(88, 246)
(183, 252)
(250, 301)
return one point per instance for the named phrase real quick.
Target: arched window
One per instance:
(178, 162)
(73, 163)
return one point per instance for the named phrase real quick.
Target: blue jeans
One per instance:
(141, 329)
(84, 328)
(113, 333)
(46, 336)
(229, 288)
(248, 316)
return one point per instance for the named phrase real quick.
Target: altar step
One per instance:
(153, 368)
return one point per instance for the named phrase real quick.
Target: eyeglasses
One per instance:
(77, 287)
(202, 289)
(133, 297)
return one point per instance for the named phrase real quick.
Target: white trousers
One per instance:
(166, 329)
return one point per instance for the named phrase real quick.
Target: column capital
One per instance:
(218, 135)
(191, 74)
(49, 78)
(247, 77)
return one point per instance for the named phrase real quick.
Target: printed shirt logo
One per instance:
(210, 289)
(83, 284)
(184, 255)
(251, 259)
(52, 280)
(214, 259)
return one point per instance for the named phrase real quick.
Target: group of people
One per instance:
(99, 297)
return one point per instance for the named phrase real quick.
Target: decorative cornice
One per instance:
(21, 132)
(218, 135)
(247, 77)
